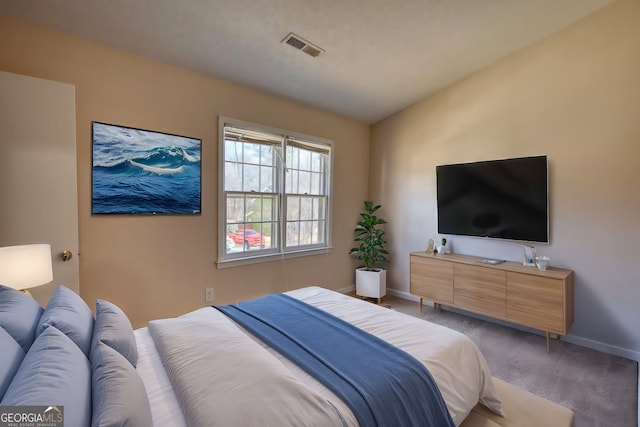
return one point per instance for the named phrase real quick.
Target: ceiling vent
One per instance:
(302, 45)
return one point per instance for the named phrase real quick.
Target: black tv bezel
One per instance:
(499, 238)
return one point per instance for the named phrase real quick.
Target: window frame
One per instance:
(280, 251)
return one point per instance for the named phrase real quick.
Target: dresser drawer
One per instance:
(481, 290)
(536, 301)
(432, 279)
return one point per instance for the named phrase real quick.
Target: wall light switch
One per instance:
(208, 295)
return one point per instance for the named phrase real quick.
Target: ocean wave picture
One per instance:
(144, 172)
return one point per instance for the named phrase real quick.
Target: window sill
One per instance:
(229, 263)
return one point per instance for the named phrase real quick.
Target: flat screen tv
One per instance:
(503, 199)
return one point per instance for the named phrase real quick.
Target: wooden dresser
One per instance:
(508, 291)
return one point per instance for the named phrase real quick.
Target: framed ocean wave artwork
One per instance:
(137, 171)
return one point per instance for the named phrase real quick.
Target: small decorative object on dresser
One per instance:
(529, 256)
(431, 246)
(442, 247)
(370, 280)
(542, 262)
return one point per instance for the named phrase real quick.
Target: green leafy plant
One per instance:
(369, 237)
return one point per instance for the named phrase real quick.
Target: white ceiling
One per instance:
(381, 55)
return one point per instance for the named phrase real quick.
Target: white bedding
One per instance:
(165, 408)
(453, 360)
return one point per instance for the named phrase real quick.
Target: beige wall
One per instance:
(574, 97)
(159, 266)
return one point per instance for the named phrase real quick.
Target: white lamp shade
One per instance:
(25, 266)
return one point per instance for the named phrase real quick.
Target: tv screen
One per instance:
(504, 199)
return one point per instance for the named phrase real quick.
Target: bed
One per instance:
(113, 375)
(454, 361)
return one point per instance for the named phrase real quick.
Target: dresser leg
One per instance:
(547, 334)
(420, 304)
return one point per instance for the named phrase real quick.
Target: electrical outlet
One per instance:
(208, 295)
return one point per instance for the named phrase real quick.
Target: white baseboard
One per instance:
(603, 347)
(402, 294)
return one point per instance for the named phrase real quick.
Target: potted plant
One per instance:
(371, 281)
(441, 248)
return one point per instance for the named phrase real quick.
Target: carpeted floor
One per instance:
(600, 388)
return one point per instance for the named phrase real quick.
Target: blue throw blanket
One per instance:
(382, 384)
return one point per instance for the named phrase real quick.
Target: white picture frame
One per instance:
(529, 256)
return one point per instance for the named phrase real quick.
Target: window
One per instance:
(274, 192)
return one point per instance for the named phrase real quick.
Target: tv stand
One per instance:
(507, 291)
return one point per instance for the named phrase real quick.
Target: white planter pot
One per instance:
(371, 283)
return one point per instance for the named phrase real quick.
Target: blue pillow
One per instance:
(11, 355)
(113, 328)
(119, 396)
(71, 315)
(54, 372)
(19, 316)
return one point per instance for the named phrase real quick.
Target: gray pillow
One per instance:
(71, 315)
(119, 396)
(19, 316)
(54, 373)
(113, 328)
(11, 355)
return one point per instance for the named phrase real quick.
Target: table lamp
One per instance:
(25, 266)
